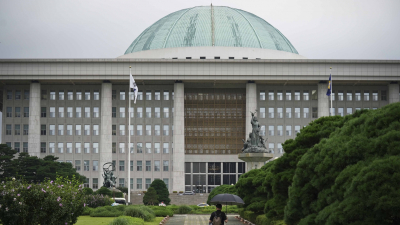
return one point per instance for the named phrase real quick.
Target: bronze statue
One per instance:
(109, 178)
(255, 143)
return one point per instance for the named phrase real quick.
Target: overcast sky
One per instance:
(319, 29)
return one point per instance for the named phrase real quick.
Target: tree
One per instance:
(123, 189)
(222, 189)
(104, 191)
(87, 191)
(150, 198)
(7, 168)
(162, 191)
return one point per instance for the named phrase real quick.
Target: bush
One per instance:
(151, 197)
(123, 189)
(181, 192)
(50, 202)
(140, 212)
(174, 192)
(87, 191)
(118, 194)
(95, 201)
(162, 191)
(126, 220)
(183, 209)
(108, 211)
(87, 211)
(104, 191)
(163, 213)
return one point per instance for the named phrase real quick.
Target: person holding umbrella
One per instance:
(218, 217)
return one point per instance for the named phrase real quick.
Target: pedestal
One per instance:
(255, 160)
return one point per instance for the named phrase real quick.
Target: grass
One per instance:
(87, 220)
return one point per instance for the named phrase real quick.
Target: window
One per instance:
(78, 148)
(306, 96)
(148, 165)
(288, 95)
(25, 146)
(296, 129)
(349, 111)
(340, 111)
(157, 95)
(131, 130)
(157, 129)
(148, 130)
(17, 111)
(8, 129)
(70, 112)
(121, 165)
(270, 112)
(61, 95)
(288, 112)
(375, 96)
(314, 94)
(78, 112)
(26, 111)
(9, 112)
(26, 129)
(43, 147)
(114, 112)
(52, 146)
(157, 113)
(78, 165)
(166, 182)
(279, 112)
(332, 111)
(87, 130)
(262, 130)
(8, 144)
(333, 95)
(122, 112)
(279, 130)
(262, 95)
(78, 129)
(306, 112)
(148, 147)
(17, 129)
(156, 165)
(297, 113)
(114, 94)
(87, 112)
(70, 95)
(43, 95)
(279, 148)
(366, 95)
(279, 96)
(148, 182)
(60, 130)
(60, 147)
(86, 165)
(121, 182)
(121, 95)
(69, 147)
(139, 111)
(114, 147)
(288, 130)
(121, 147)
(43, 112)
(17, 94)
(43, 129)
(138, 183)
(166, 95)
(148, 112)
(166, 130)
(17, 146)
(140, 95)
(166, 112)
(340, 95)
(96, 147)
(271, 147)
(95, 130)
(9, 95)
(122, 129)
(358, 95)
(262, 112)
(148, 95)
(271, 95)
(86, 184)
(131, 148)
(297, 95)
(314, 112)
(139, 147)
(383, 95)
(96, 95)
(86, 147)
(61, 112)
(131, 168)
(139, 165)
(95, 183)
(87, 94)
(78, 95)
(52, 95)
(271, 130)
(166, 148)
(349, 96)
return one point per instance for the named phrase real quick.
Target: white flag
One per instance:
(133, 85)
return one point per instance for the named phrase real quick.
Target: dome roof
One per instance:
(211, 26)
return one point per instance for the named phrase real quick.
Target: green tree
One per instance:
(7, 168)
(123, 189)
(222, 189)
(150, 197)
(87, 191)
(162, 191)
(104, 191)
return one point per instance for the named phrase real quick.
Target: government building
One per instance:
(200, 72)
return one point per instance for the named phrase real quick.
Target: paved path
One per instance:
(197, 220)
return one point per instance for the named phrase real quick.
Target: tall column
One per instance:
(105, 127)
(393, 92)
(323, 100)
(251, 105)
(178, 173)
(34, 119)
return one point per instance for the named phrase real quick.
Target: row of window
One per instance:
(288, 113)
(121, 183)
(214, 167)
(148, 94)
(17, 112)
(314, 95)
(17, 146)
(149, 166)
(139, 112)
(279, 130)
(199, 180)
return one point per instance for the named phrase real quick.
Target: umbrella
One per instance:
(227, 199)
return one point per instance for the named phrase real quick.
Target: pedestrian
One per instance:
(218, 217)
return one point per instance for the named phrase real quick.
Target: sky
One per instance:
(319, 29)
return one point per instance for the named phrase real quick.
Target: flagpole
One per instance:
(330, 70)
(129, 138)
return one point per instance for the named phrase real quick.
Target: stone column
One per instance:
(34, 120)
(323, 100)
(251, 105)
(393, 92)
(178, 173)
(105, 128)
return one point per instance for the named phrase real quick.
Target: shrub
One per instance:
(50, 202)
(107, 211)
(104, 191)
(123, 189)
(87, 211)
(118, 194)
(183, 209)
(151, 197)
(163, 212)
(162, 191)
(127, 220)
(87, 191)
(175, 192)
(250, 216)
(147, 209)
(95, 201)
(140, 212)
(181, 192)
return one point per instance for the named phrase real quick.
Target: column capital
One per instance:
(34, 81)
(178, 82)
(106, 81)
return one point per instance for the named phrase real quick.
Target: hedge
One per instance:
(127, 220)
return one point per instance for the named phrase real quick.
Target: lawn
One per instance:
(87, 220)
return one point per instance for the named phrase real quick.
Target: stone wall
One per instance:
(175, 199)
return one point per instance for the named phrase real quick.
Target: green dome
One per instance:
(211, 26)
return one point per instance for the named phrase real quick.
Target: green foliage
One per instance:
(127, 220)
(222, 189)
(104, 191)
(163, 213)
(118, 194)
(162, 191)
(95, 201)
(87, 191)
(108, 211)
(352, 177)
(144, 213)
(123, 189)
(150, 198)
(87, 211)
(50, 202)
(183, 209)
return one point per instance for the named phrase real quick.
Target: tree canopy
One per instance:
(222, 189)
(150, 197)
(162, 191)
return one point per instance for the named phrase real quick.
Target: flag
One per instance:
(133, 85)
(329, 91)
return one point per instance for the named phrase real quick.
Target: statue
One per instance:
(255, 143)
(109, 178)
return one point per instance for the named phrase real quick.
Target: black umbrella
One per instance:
(227, 199)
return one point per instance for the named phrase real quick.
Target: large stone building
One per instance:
(200, 71)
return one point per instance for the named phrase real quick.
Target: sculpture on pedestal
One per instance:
(255, 143)
(109, 178)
